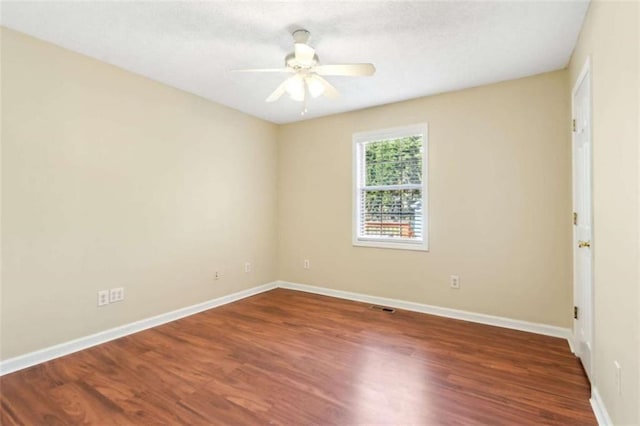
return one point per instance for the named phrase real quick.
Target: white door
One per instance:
(582, 234)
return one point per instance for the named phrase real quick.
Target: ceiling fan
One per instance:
(307, 73)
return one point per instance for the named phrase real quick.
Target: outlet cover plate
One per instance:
(103, 297)
(454, 281)
(116, 294)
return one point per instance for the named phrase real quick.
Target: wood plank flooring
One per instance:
(293, 358)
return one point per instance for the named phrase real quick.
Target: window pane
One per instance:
(394, 161)
(392, 214)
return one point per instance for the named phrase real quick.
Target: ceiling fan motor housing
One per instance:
(291, 61)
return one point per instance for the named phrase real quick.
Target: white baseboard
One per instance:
(548, 330)
(23, 361)
(33, 358)
(599, 409)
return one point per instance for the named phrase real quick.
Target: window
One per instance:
(390, 188)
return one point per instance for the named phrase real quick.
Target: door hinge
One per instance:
(575, 312)
(573, 124)
(575, 218)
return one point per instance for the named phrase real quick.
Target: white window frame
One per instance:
(359, 140)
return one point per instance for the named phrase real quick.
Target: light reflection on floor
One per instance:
(390, 388)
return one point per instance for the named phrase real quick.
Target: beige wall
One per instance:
(610, 37)
(499, 191)
(110, 179)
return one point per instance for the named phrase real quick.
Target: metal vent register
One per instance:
(382, 308)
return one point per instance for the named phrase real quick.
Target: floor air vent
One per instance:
(382, 308)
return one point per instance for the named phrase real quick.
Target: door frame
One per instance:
(585, 73)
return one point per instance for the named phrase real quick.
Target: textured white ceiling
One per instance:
(418, 48)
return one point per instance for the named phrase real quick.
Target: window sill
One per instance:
(421, 246)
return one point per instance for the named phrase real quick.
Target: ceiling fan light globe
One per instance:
(298, 97)
(295, 88)
(316, 88)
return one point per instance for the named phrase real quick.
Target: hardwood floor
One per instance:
(293, 358)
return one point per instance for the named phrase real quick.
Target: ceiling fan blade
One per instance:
(329, 91)
(264, 70)
(278, 92)
(303, 52)
(355, 70)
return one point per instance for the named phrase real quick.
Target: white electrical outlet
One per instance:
(618, 368)
(116, 294)
(306, 264)
(247, 267)
(103, 297)
(454, 281)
